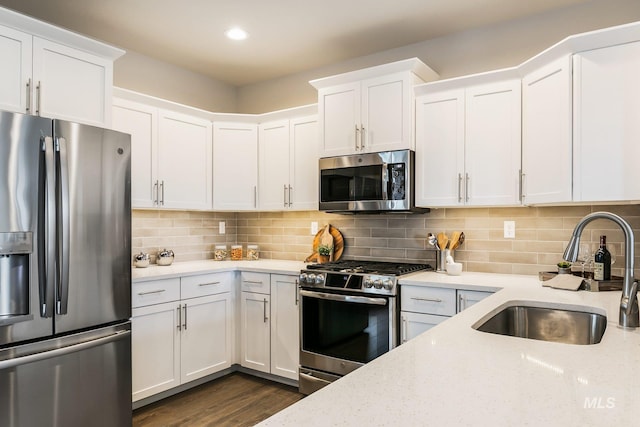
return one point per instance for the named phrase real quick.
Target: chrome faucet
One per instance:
(629, 317)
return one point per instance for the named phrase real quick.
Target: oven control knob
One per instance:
(368, 283)
(377, 284)
(387, 284)
(303, 278)
(319, 279)
(311, 278)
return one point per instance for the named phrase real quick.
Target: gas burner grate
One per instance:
(371, 267)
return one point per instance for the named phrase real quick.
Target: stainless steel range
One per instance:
(348, 317)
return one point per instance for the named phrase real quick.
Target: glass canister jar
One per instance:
(236, 252)
(220, 252)
(253, 252)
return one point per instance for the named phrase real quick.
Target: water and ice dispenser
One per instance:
(15, 252)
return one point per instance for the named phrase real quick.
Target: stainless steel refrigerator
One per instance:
(65, 274)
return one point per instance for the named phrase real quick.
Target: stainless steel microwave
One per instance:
(368, 183)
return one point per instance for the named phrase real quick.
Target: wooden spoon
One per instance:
(442, 241)
(455, 238)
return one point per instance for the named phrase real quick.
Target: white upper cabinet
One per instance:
(468, 141)
(546, 133)
(288, 164)
(606, 124)
(171, 156)
(369, 110)
(52, 72)
(235, 165)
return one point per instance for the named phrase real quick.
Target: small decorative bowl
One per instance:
(165, 257)
(141, 260)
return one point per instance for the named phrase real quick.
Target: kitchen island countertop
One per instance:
(453, 375)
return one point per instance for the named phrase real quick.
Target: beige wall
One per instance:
(541, 234)
(146, 75)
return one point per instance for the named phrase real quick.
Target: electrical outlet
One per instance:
(509, 229)
(314, 228)
(221, 227)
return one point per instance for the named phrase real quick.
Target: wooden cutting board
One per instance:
(338, 244)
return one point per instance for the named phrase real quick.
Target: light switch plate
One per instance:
(314, 228)
(509, 229)
(221, 227)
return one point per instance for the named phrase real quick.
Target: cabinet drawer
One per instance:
(205, 284)
(256, 282)
(420, 299)
(155, 292)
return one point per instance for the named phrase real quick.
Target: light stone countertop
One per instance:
(453, 375)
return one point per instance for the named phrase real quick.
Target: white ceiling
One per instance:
(286, 36)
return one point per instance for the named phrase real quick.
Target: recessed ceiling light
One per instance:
(236, 33)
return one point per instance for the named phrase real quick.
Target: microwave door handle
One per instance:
(385, 181)
(63, 227)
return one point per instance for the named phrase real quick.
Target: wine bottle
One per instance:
(602, 261)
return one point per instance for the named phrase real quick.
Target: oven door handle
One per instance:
(344, 298)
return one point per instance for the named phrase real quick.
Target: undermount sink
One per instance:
(541, 321)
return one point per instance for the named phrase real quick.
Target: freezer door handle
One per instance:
(63, 226)
(11, 363)
(46, 227)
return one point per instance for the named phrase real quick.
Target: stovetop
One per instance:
(358, 277)
(370, 267)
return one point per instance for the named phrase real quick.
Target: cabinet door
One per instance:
(15, 70)
(413, 324)
(339, 119)
(206, 336)
(468, 298)
(274, 162)
(440, 149)
(492, 144)
(141, 122)
(606, 125)
(546, 134)
(155, 349)
(255, 331)
(71, 84)
(285, 326)
(387, 113)
(303, 169)
(235, 165)
(184, 161)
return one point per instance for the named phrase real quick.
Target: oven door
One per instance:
(341, 332)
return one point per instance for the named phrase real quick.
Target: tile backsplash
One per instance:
(540, 238)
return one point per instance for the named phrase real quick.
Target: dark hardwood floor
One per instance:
(234, 400)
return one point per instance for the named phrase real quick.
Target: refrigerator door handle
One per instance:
(11, 363)
(46, 227)
(62, 204)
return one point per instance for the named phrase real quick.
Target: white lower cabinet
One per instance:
(413, 324)
(270, 324)
(181, 330)
(468, 298)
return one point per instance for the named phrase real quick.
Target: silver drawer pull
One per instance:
(159, 291)
(209, 284)
(427, 299)
(255, 282)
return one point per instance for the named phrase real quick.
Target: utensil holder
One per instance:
(441, 260)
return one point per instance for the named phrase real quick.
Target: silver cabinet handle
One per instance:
(404, 329)
(362, 138)
(159, 291)
(255, 282)
(521, 186)
(155, 193)
(460, 302)
(161, 202)
(285, 195)
(184, 325)
(209, 284)
(459, 188)
(466, 187)
(179, 317)
(265, 310)
(357, 135)
(38, 91)
(255, 196)
(28, 106)
(297, 296)
(290, 202)
(426, 299)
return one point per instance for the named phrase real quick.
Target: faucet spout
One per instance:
(629, 317)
